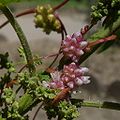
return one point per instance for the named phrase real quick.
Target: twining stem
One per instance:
(60, 5)
(103, 40)
(26, 12)
(6, 11)
(104, 104)
(62, 35)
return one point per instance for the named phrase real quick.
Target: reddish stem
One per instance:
(110, 38)
(62, 25)
(62, 35)
(11, 83)
(53, 55)
(60, 5)
(62, 95)
(26, 12)
(29, 11)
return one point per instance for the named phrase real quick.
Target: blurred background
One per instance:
(104, 68)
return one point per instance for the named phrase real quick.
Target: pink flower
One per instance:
(74, 76)
(71, 76)
(56, 82)
(73, 46)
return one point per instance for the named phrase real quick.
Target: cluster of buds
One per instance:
(46, 19)
(73, 46)
(71, 77)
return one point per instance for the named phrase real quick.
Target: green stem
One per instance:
(105, 104)
(6, 11)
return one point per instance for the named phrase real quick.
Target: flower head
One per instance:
(72, 76)
(73, 46)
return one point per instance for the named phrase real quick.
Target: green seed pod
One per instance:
(51, 18)
(39, 21)
(41, 10)
(50, 10)
(40, 18)
(57, 25)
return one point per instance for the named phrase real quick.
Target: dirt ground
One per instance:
(104, 68)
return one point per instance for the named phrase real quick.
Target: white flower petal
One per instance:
(84, 70)
(85, 79)
(83, 44)
(78, 81)
(72, 48)
(70, 84)
(68, 36)
(45, 84)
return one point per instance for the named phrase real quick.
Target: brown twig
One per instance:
(110, 38)
(62, 34)
(26, 12)
(61, 96)
(62, 25)
(60, 5)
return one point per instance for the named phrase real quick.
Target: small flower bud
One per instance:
(39, 21)
(51, 17)
(57, 25)
(70, 84)
(41, 10)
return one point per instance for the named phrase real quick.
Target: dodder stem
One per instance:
(60, 5)
(26, 12)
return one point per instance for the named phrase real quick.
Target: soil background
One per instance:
(104, 68)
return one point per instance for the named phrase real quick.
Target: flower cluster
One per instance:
(72, 76)
(73, 46)
(46, 19)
